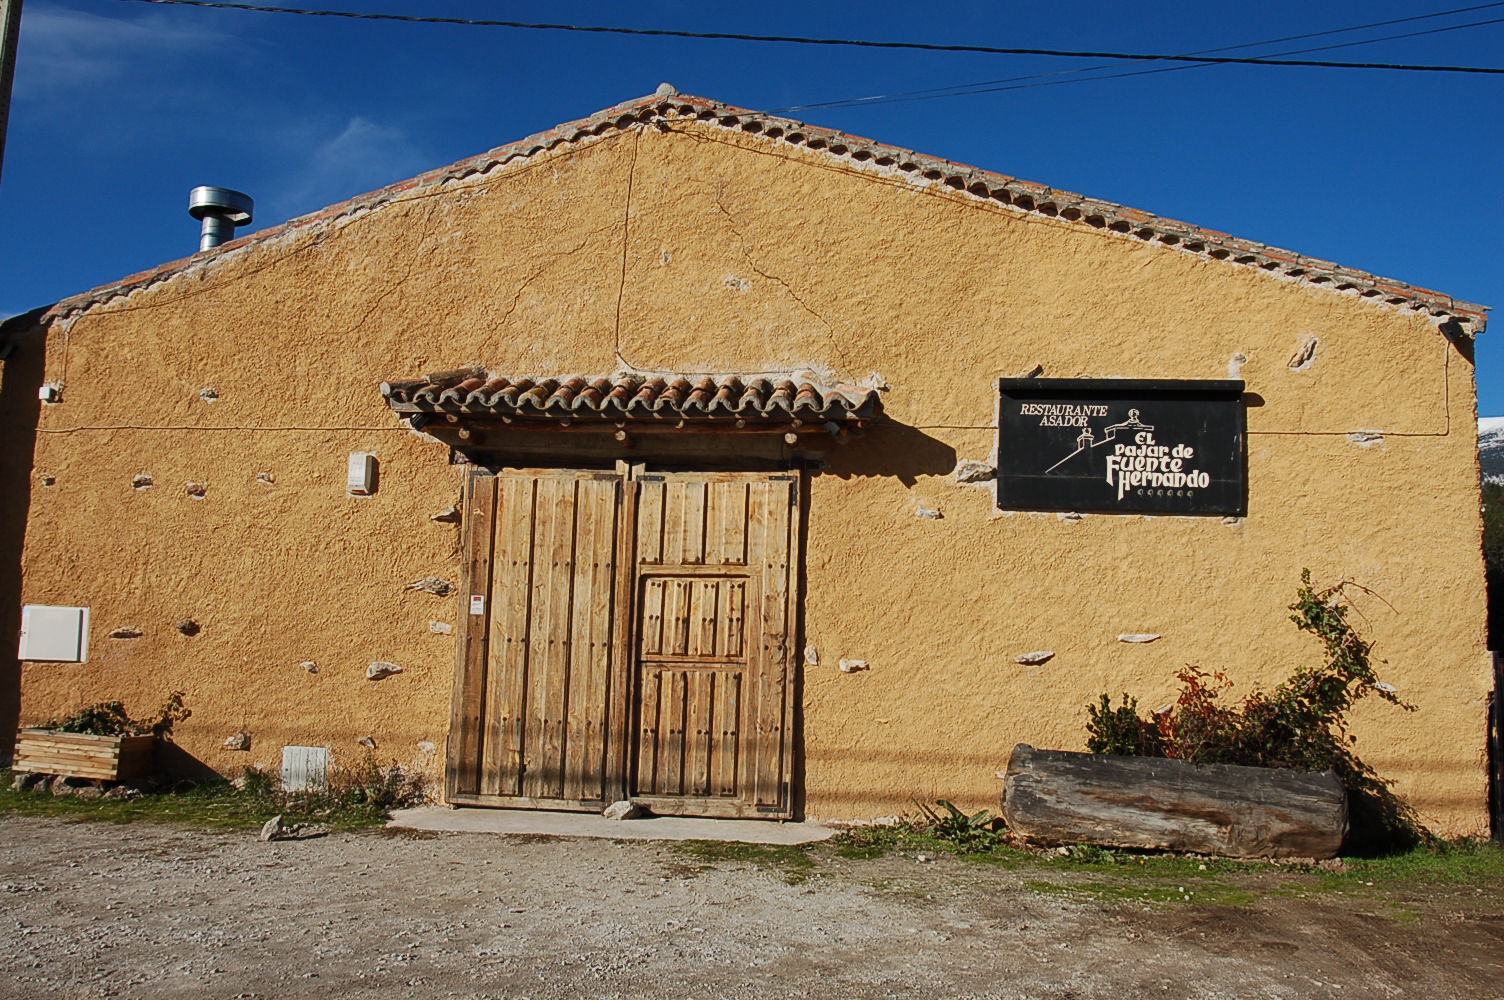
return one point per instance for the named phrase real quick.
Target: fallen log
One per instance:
(1059, 797)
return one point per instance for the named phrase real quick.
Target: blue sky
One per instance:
(121, 107)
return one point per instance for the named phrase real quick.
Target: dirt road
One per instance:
(94, 910)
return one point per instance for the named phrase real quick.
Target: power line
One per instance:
(1053, 79)
(800, 40)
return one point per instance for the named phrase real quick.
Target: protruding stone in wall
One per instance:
(189, 627)
(1366, 439)
(853, 666)
(929, 513)
(1070, 516)
(1232, 521)
(969, 470)
(240, 741)
(436, 585)
(1035, 658)
(1138, 637)
(369, 742)
(195, 490)
(311, 666)
(449, 515)
(440, 628)
(47, 478)
(266, 478)
(209, 394)
(811, 655)
(141, 481)
(127, 632)
(381, 668)
(1235, 364)
(1305, 354)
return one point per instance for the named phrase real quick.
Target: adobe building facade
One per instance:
(684, 422)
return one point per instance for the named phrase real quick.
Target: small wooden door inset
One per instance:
(533, 701)
(713, 618)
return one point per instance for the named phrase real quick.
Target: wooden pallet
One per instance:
(80, 755)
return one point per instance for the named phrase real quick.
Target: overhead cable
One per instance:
(801, 40)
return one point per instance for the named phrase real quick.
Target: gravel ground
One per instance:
(95, 910)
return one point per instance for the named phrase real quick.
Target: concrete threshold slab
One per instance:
(581, 824)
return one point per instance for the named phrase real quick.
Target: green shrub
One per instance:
(1116, 730)
(1300, 724)
(109, 718)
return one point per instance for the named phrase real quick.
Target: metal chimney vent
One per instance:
(221, 211)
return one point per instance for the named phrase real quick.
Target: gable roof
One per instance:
(1018, 195)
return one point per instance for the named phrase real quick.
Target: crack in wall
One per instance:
(551, 260)
(741, 241)
(392, 287)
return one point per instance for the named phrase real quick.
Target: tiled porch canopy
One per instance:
(733, 400)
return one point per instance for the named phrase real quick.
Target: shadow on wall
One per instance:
(175, 762)
(20, 378)
(894, 450)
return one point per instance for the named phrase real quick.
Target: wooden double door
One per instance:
(627, 635)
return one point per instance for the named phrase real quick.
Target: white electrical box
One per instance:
(361, 478)
(305, 768)
(60, 635)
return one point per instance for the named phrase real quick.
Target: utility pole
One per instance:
(10, 34)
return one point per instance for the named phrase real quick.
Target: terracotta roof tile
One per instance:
(781, 398)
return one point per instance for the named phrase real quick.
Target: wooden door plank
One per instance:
(676, 617)
(590, 651)
(649, 724)
(779, 623)
(650, 621)
(649, 536)
(512, 583)
(671, 732)
(728, 743)
(675, 522)
(467, 708)
(699, 695)
(577, 684)
(731, 625)
(695, 510)
(767, 552)
(549, 676)
(726, 537)
(620, 719)
(705, 612)
(792, 624)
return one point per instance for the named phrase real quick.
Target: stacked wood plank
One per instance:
(1059, 797)
(81, 755)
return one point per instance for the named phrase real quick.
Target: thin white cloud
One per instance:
(360, 156)
(66, 50)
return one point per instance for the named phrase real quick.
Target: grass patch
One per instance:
(792, 861)
(1214, 894)
(1446, 862)
(865, 843)
(212, 806)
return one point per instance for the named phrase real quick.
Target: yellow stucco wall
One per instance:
(701, 249)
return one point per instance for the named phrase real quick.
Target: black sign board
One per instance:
(1121, 446)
